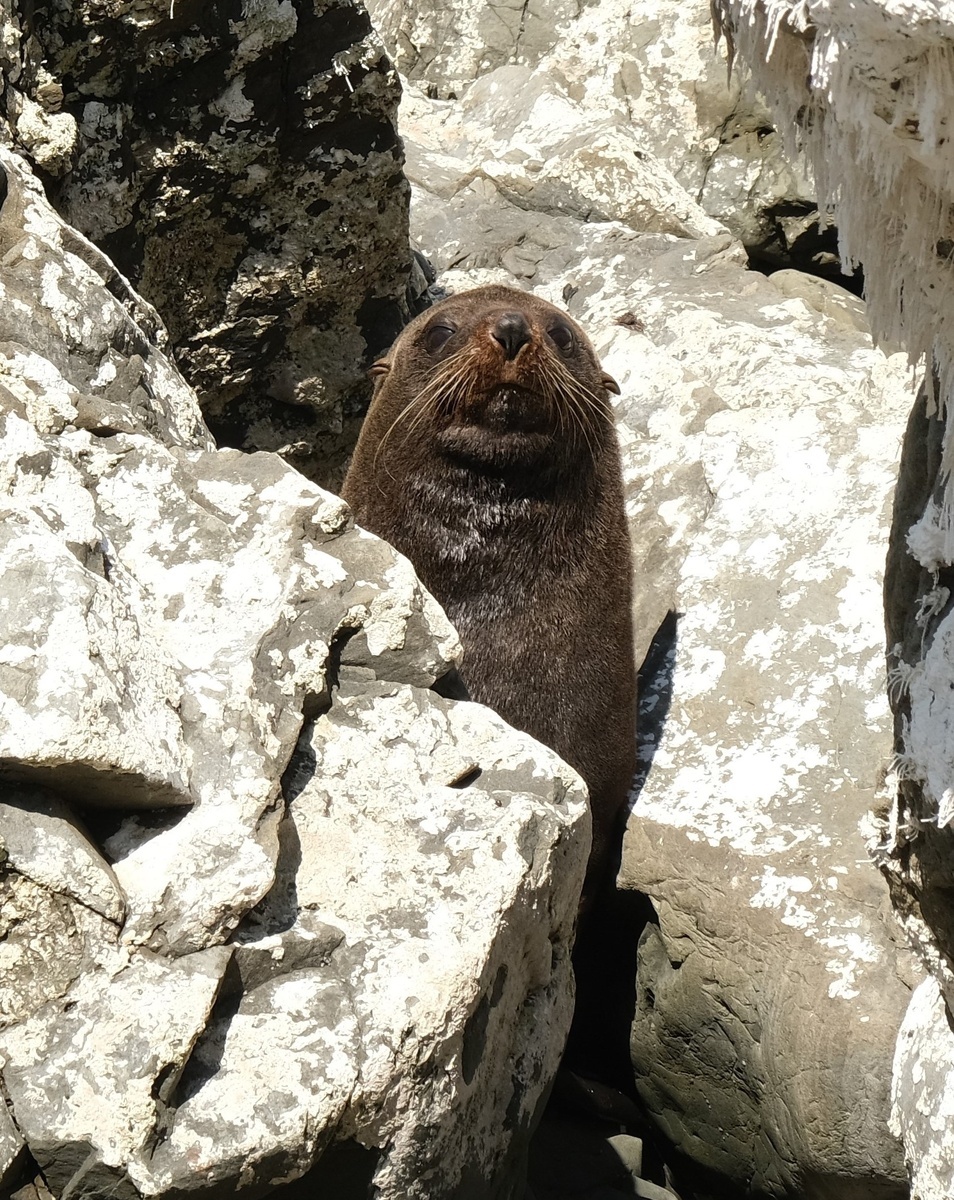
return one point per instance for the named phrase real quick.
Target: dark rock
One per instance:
(242, 167)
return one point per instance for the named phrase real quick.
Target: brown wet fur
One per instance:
(490, 459)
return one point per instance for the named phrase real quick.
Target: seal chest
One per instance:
(489, 458)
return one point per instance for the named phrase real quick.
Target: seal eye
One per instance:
(436, 336)
(562, 337)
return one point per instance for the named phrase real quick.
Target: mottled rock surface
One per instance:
(269, 906)
(876, 78)
(644, 91)
(241, 165)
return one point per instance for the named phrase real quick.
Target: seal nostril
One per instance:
(512, 331)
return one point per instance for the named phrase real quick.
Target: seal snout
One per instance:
(512, 331)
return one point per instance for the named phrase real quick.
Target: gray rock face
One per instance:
(759, 431)
(269, 907)
(645, 89)
(883, 158)
(243, 169)
(775, 961)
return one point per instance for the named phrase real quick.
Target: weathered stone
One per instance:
(90, 1080)
(400, 1019)
(649, 72)
(11, 1147)
(922, 1091)
(44, 842)
(825, 297)
(47, 941)
(166, 616)
(543, 151)
(746, 834)
(875, 77)
(240, 164)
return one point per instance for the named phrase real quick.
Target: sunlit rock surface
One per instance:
(268, 904)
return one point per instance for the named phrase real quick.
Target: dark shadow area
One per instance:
(655, 683)
(594, 1096)
(87, 787)
(141, 826)
(916, 602)
(344, 1172)
(798, 242)
(604, 957)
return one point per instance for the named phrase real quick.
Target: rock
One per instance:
(883, 160)
(542, 151)
(922, 1090)
(89, 1081)
(245, 173)
(44, 842)
(825, 297)
(649, 72)
(172, 603)
(770, 722)
(272, 913)
(410, 1019)
(11, 1147)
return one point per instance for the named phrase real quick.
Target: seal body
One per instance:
(489, 458)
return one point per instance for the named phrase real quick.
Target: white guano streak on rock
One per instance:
(820, 919)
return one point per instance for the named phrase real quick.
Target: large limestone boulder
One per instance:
(647, 75)
(875, 78)
(243, 170)
(759, 430)
(270, 907)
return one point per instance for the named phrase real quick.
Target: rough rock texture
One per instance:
(775, 958)
(269, 906)
(872, 81)
(759, 430)
(645, 75)
(240, 164)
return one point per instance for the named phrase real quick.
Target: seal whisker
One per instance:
(569, 397)
(452, 371)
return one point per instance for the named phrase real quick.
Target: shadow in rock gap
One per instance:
(345, 1172)
(605, 954)
(593, 1139)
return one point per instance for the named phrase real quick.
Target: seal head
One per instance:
(489, 457)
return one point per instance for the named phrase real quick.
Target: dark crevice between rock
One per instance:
(919, 876)
(26, 1183)
(104, 823)
(796, 240)
(22, 1166)
(475, 1032)
(87, 787)
(594, 1095)
(206, 1057)
(344, 1172)
(451, 686)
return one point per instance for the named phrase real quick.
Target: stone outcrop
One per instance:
(274, 913)
(244, 172)
(759, 430)
(269, 906)
(874, 82)
(645, 79)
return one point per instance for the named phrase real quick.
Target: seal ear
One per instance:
(379, 369)
(610, 384)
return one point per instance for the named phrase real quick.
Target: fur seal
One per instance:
(489, 458)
